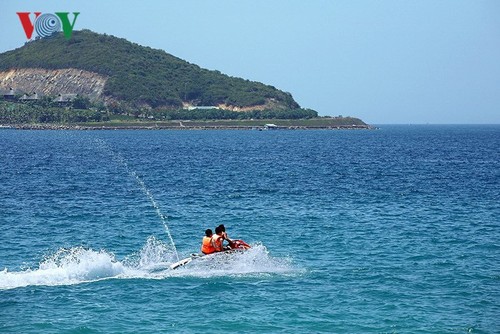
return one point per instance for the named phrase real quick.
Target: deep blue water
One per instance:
(395, 230)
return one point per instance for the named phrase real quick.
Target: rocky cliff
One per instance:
(53, 82)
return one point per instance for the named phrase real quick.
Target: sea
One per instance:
(392, 230)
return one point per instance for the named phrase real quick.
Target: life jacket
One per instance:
(217, 242)
(206, 246)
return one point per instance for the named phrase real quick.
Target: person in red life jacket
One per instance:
(218, 239)
(206, 244)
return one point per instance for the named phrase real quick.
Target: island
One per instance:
(98, 81)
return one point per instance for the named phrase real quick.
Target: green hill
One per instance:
(139, 76)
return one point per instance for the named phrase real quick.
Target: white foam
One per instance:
(77, 265)
(155, 253)
(66, 266)
(253, 261)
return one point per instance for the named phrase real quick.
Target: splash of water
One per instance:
(103, 145)
(154, 254)
(69, 266)
(254, 261)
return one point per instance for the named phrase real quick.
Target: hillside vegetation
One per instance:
(141, 76)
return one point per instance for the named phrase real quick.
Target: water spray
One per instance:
(121, 160)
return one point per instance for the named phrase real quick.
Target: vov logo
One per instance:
(46, 24)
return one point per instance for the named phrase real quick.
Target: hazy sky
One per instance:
(420, 61)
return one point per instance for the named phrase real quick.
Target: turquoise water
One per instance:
(389, 231)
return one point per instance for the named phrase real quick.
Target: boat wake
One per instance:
(66, 267)
(69, 266)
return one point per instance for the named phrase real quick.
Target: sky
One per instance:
(384, 61)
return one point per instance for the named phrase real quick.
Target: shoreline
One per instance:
(178, 127)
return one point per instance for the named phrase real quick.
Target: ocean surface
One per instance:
(395, 230)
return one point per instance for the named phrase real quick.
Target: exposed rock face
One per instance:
(270, 105)
(54, 82)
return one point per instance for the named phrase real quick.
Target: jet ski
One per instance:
(234, 246)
